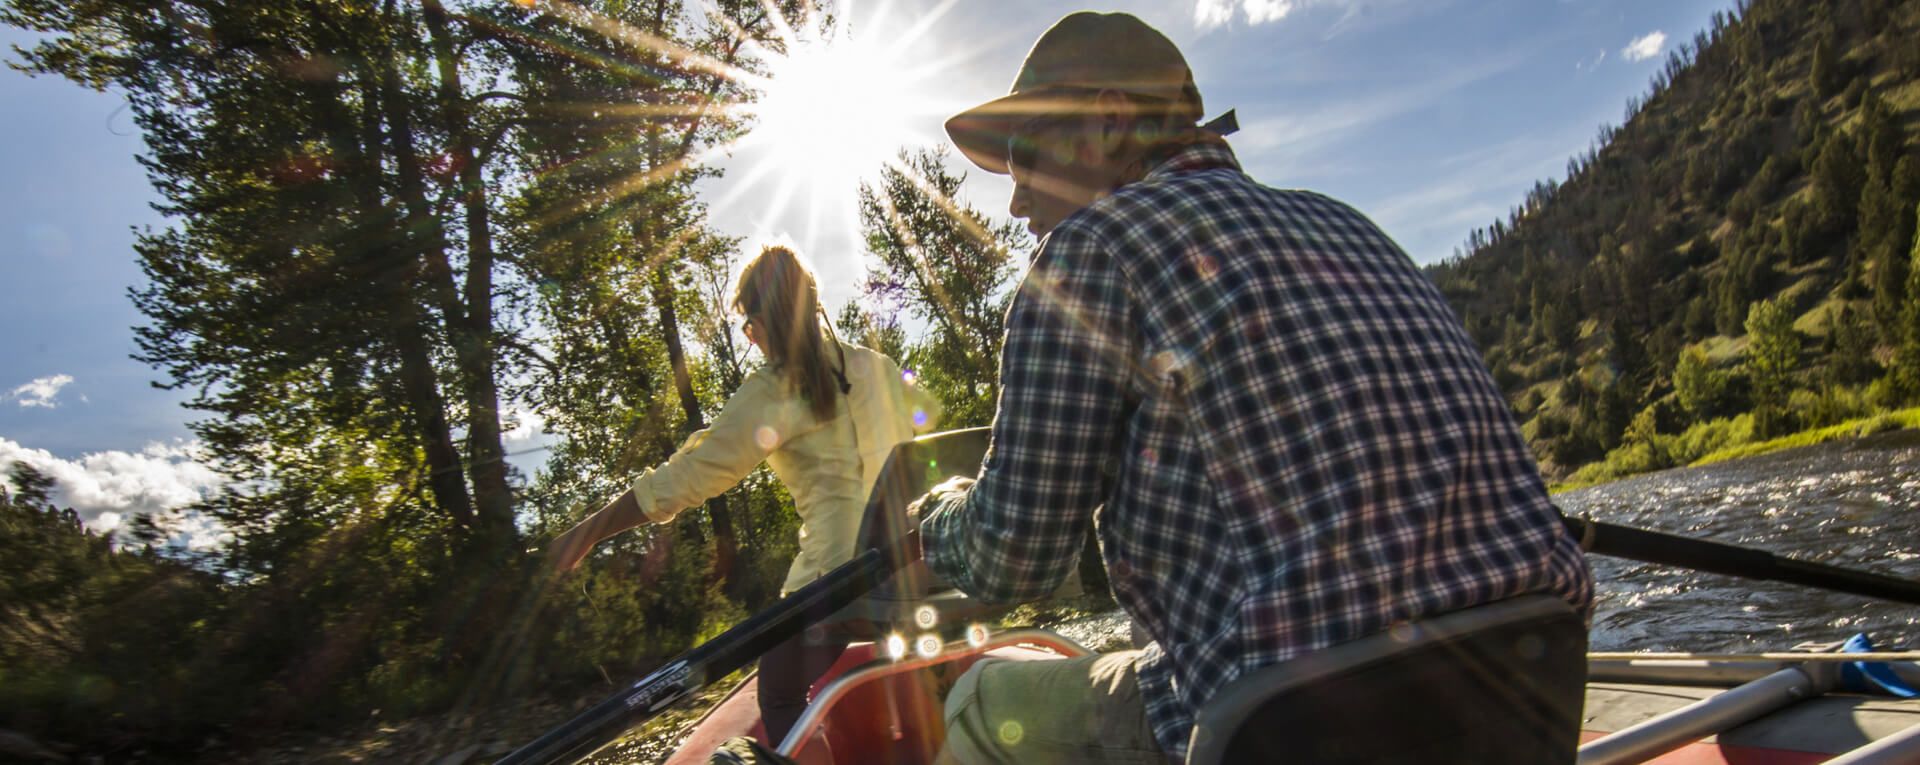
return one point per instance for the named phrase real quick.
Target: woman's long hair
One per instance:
(778, 294)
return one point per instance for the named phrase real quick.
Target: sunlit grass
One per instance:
(1855, 428)
(1607, 470)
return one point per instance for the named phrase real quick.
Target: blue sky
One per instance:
(1433, 116)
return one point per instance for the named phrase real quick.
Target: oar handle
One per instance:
(1717, 558)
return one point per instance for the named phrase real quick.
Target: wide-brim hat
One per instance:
(1083, 52)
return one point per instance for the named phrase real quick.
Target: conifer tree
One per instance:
(1849, 350)
(1905, 373)
(1773, 353)
(1837, 179)
(1886, 234)
(1824, 74)
(948, 265)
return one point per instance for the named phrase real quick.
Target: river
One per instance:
(1851, 504)
(1854, 504)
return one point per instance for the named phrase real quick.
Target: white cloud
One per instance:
(1645, 46)
(1263, 11)
(1212, 13)
(106, 488)
(524, 426)
(41, 392)
(1208, 14)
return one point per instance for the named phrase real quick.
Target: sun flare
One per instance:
(834, 111)
(835, 107)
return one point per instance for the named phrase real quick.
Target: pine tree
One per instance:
(945, 264)
(1824, 75)
(1849, 350)
(1886, 234)
(1837, 180)
(1905, 372)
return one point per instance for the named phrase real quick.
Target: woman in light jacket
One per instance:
(823, 414)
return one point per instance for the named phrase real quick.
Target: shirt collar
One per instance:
(1207, 154)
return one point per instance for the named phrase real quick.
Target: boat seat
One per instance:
(1498, 684)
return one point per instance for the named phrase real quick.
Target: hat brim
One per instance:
(981, 133)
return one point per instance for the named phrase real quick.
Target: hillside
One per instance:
(1729, 264)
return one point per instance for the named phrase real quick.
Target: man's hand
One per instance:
(927, 503)
(956, 486)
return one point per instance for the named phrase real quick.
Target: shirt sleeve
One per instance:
(1015, 535)
(754, 422)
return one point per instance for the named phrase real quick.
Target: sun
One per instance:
(833, 108)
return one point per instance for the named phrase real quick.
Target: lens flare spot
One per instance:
(925, 617)
(1011, 732)
(928, 646)
(919, 417)
(766, 437)
(977, 635)
(1206, 266)
(896, 647)
(909, 377)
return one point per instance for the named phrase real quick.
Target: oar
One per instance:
(1716, 558)
(891, 546)
(709, 661)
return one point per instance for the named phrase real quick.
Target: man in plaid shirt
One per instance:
(1279, 431)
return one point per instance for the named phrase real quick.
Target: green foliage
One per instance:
(1849, 350)
(93, 639)
(1837, 178)
(1824, 75)
(1708, 437)
(948, 266)
(1906, 418)
(1904, 377)
(1828, 406)
(1886, 237)
(1773, 354)
(1699, 388)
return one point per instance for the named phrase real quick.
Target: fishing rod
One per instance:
(1717, 558)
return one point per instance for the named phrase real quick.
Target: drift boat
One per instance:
(882, 705)
(1507, 682)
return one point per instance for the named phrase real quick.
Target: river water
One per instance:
(1854, 504)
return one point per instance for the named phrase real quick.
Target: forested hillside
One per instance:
(1733, 262)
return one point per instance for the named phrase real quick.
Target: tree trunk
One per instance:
(726, 544)
(422, 245)
(473, 338)
(371, 243)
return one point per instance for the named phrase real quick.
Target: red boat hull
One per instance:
(896, 717)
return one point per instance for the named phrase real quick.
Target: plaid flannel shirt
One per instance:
(1282, 435)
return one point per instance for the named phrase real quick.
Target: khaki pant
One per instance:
(1084, 710)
